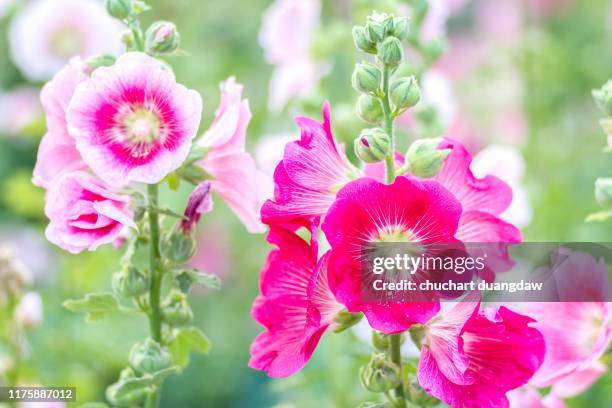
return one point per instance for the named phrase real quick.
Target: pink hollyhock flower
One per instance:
(84, 213)
(527, 397)
(199, 203)
(313, 169)
(235, 176)
(472, 358)
(20, 107)
(57, 153)
(367, 211)
(45, 34)
(295, 306)
(287, 32)
(132, 121)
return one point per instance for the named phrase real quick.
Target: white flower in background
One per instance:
(270, 149)
(286, 35)
(18, 109)
(438, 91)
(29, 311)
(507, 163)
(45, 34)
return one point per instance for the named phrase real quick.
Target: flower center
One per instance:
(66, 42)
(141, 126)
(395, 233)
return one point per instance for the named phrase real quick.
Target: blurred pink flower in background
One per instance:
(132, 121)
(32, 250)
(286, 35)
(57, 153)
(29, 311)
(269, 150)
(84, 213)
(213, 253)
(45, 34)
(20, 107)
(235, 176)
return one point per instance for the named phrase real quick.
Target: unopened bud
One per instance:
(380, 375)
(162, 38)
(405, 93)
(603, 191)
(390, 51)
(372, 145)
(366, 78)
(380, 341)
(603, 98)
(149, 357)
(369, 109)
(362, 41)
(424, 158)
(176, 310)
(119, 9)
(400, 28)
(130, 282)
(179, 247)
(29, 311)
(376, 27)
(126, 399)
(345, 319)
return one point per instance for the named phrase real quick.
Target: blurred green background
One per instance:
(559, 56)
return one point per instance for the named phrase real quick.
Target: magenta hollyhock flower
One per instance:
(235, 175)
(198, 203)
(84, 213)
(313, 169)
(295, 305)
(132, 121)
(367, 211)
(472, 357)
(57, 153)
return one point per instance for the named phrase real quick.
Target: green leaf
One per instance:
(173, 180)
(600, 216)
(136, 384)
(188, 277)
(94, 405)
(375, 405)
(187, 340)
(96, 305)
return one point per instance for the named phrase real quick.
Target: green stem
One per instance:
(388, 124)
(154, 265)
(156, 279)
(396, 357)
(134, 26)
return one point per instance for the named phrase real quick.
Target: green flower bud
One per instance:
(362, 41)
(603, 191)
(372, 145)
(377, 25)
(176, 310)
(435, 49)
(380, 375)
(390, 51)
(179, 247)
(424, 158)
(162, 38)
(366, 77)
(369, 109)
(130, 283)
(405, 93)
(417, 334)
(149, 357)
(103, 60)
(380, 341)
(127, 38)
(119, 9)
(400, 28)
(345, 319)
(603, 98)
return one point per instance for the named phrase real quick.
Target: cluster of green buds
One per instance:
(603, 185)
(161, 38)
(382, 97)
(380, 374)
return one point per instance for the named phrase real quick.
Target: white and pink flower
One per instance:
(46, 34)
(132, 121)
(84, 213)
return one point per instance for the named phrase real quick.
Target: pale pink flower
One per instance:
(45, 34)
(29, 311)
(132, 121)
(287, 31)
(269, 151)
(20, 107)
(57, 153)
(84, 213)
(235, 176)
